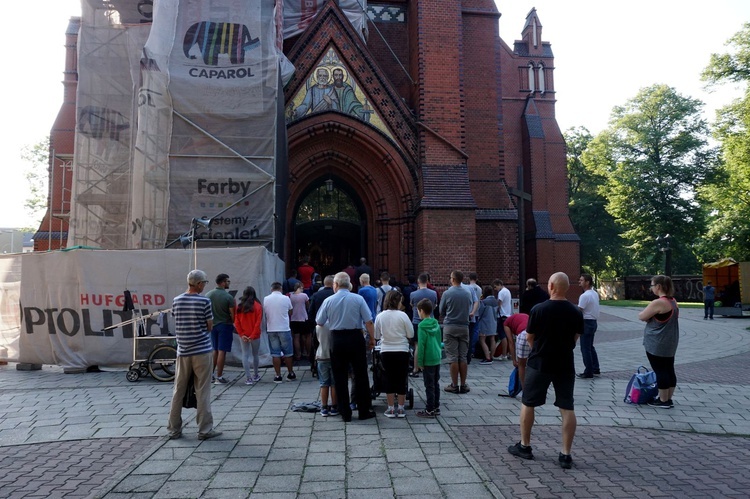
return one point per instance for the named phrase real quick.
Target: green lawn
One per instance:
(643, 303)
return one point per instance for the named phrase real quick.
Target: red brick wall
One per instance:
(497, 251)
(445, 241)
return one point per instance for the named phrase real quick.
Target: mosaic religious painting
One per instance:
(331, 87)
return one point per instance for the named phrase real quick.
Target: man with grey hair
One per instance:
(552, 332)
(193, 322)
(346, 312)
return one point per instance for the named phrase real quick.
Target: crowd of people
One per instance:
(411, 329)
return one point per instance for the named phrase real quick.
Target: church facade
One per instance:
(429, 145)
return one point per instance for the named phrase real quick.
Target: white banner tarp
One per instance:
(298, 14)
(68, 298)
(215, 65)
(10, 297)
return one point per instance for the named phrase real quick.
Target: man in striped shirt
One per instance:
(193, 322)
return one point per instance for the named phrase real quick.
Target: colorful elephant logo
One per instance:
(213, 39)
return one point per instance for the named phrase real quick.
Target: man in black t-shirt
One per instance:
(553, 330)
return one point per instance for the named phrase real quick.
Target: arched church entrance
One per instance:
(329, 226)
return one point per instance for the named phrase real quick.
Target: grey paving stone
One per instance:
(182, 488)
(266, 484)
(230, 480)
(324, 473)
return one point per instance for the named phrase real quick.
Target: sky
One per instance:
(604, 53)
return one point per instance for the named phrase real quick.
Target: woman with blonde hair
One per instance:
(660, 337)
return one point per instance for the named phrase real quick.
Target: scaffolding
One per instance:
(176, 120)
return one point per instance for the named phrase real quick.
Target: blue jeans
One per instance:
(708, 309)
(590, 359)
(431, 376)
(473, 339)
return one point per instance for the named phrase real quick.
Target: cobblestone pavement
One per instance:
(69, 468)
(51, 423)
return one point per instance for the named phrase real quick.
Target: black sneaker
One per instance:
(662, 405)
(584, 376)
(524, 452)
(566, 462)
(486, 362)
(597, 374)
(437, 411)
(278, 379)
(291, 376)
(464, 389)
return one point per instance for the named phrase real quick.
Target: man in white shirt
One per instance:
(589, 305)
(277, 309)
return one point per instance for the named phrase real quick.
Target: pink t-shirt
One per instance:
(299, 306)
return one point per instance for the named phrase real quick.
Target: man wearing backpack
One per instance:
(553, 330)
(385, 279)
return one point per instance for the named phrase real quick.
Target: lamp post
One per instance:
(664, 247)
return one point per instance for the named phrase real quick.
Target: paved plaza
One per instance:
(98, 435)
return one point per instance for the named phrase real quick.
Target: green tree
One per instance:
(653, 156)
(36, 171)
(728, 194)
(602, 253)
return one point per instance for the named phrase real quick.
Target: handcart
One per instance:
(379, 377)
(154, 355)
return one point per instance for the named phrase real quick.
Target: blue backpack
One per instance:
(514, 384)
(641, 387)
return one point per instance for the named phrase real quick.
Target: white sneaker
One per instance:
(390, 413)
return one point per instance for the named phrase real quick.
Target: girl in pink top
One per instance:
(298, 322)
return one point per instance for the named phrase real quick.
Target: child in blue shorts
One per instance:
(325, 375)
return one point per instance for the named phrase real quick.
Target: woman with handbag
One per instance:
(660, 337)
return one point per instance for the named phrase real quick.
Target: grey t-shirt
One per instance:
(455, 305)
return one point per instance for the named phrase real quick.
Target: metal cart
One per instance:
(154, 355)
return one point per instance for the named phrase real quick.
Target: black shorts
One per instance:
(299, 327)
(536, 384)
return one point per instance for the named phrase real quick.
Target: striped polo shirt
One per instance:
(191, 311)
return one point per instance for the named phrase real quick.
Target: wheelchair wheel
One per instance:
(161, 363)
(410, 398)
(132, 375)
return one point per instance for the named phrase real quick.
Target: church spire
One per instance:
(532, 33)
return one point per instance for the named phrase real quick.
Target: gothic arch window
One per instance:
(532, 78)
(542, 86)
(327, 202)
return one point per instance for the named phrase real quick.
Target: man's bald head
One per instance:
(558, 285)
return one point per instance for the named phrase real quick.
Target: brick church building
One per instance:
(434, 147)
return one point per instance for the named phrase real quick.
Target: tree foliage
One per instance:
(36, 171)
(601, 246)
(728, 194)
(652, 158)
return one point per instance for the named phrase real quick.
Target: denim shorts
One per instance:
(280, 343)
(222, 336)
(325, 373)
